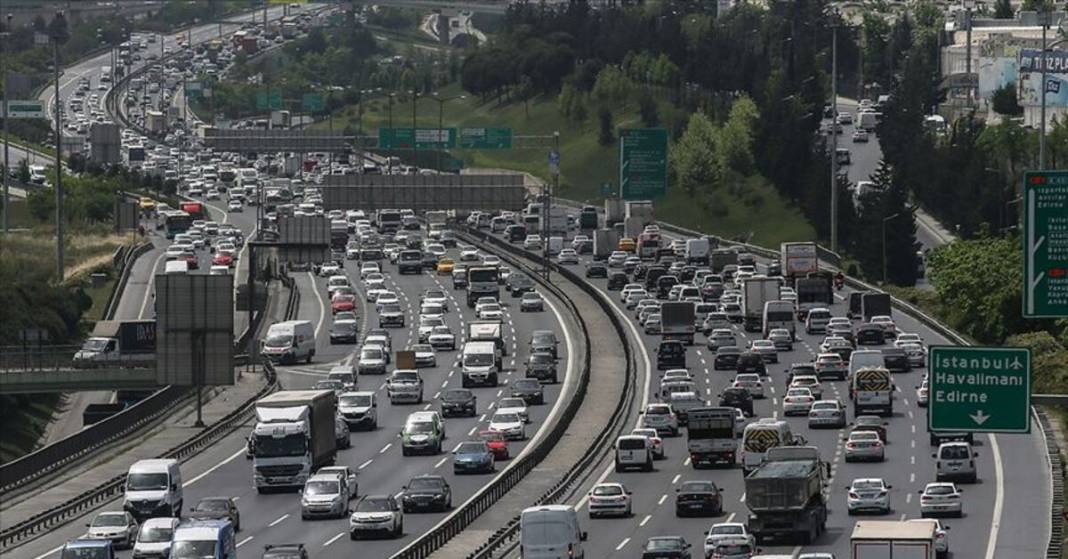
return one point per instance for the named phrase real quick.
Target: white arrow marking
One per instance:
(979, 417)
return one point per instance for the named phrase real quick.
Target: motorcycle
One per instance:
(839, 283)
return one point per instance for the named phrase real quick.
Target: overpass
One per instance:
(28, 381)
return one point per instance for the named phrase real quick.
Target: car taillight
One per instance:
(850, 445)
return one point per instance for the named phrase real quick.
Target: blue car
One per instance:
(473, 457)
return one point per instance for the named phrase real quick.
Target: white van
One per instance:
(955, 460)
(550, 532)
(176, 267)
(863, 358)
(153, 488)
(289, 341)
(556, 244)
(480, 364)
(760, 436)
(634, 451)
(779, 314)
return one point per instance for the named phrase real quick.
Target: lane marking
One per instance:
(622, 543)
(322, 306)
(645, 520)
(210, 470)
(365, 464)
(149, 289)
(244, 541)
(385, 448)
(662, 499)
(333, 539)
(280, 519)
(999, 499)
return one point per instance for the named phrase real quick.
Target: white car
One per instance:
(374, 280)
(234, 206)
(750, 382)
(868, 495)
(368, 268)
(941, 498)
(532, 242)
(442, 338)
(516, 406)
(617, 258)
(469, 255)
(491, 260)
(568, 256)
(436, 297)
(387, 298)
(726, 531)
(798, 401)
(119, 527)
(810, 382)
(490, 312)
(377, 513)
(609, 499)
(654, 438)
(509, 424)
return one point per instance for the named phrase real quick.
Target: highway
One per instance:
(1006, 512)
(275, 518)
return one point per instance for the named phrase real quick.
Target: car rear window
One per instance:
(632, 444)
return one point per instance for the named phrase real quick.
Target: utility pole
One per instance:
(58, 34)
(415, 144)
(1042, 86)
(834, 136)
(7, 145)
(389, 158)
(968, 52)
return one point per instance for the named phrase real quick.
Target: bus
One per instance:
(175, 222)
(758, 437)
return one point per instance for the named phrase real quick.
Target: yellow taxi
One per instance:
(626, 244)
(445, 266)
(147, 203)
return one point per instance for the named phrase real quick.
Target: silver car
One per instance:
(119, 527)
(826, 413)
(864, 445)
(868, 495)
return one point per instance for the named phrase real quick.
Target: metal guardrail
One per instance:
(1057, 471)
(131, 255)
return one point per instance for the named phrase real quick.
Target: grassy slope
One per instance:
(585, 164)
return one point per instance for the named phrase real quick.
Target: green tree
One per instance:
(734, 150)
(1003, 9)
(648, 110)
(1004, 101)
(901, 244)
(24, 171)
(612, 87)
(867, 244)
(693, 157)
(985, 306)
(42, 203)
(607, 134)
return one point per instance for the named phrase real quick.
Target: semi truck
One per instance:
(875, 304)
(798, 260)
(130, 343)
(557, 221)
(721, 258)
(677, 321)
(710, 437)
(588, 219)
(294, 436)
(896, 539)
(755, 292)
(613, 211)
(605, 241)
(785, 494)
(641, 210)
(482, 281)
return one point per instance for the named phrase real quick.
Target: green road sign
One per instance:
(269, 100)
(313, 103)
(25, 109)
(418, 138)
(1045, 244)
(979, 389)
(486, 138)
(643, 163)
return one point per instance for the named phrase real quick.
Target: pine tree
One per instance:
(901, 244)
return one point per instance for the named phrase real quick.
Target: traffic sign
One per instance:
(269, 100)
(643, 156)
(416, 138)
(313, 103)
(554, 163)
(486, 138)
(25, 109)
(979, 389)
(1045, 244)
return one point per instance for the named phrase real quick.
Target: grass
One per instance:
(585, 164)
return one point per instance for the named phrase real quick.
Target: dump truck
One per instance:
(129, 343)
(677, 321)
(755, 292)
(785, 494)
(899, 539)
(294, 436)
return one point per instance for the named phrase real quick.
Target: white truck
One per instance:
(294, 436)
(893, 539)
(633, 227)
(605, 241)
(710, 437)
(642, 210)
(557, 221)
(798, 260)
(613, 211)
(698, 251)
(130, 343)
(487, 331)
(757, 291)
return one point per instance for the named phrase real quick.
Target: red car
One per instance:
(222, 259)
(192, 260)
(498, 445)
(343, 302)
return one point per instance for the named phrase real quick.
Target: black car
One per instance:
(664, 284)
(653, 274)
(698, 498)
(515, 233)
(666, 547)
(596, 270)
(687, 274)
(427, 493)
(617, 280)
(344, 333)
(726, 358)
(750, 362)
(544, 341)
(458, 401)
(870, 334)
(529, 390)
(285, 551)
(896, 360)
(670, 354)
(541, 366)
(430, 260)
(737, 398)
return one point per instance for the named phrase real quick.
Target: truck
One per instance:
(798, 260)
(755, 292)
(875, 304)
(721, 258)
(294, 436)
(122, 343)
(812, 292)
(339, 233)
(710, 437)
(896, 539)
(194, 209)
(677, 321)
(605, 241)
(697, 251)
(785, 494)
(867, 120)
(557, 221)
(633, 228)
(613, 211)
(482, 281)
(588, 219)
(641, 210)
(487, 331)
(281, 119)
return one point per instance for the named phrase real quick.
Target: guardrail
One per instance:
(130, 256)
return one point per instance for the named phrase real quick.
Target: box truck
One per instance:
(294, 436)
(130, 343)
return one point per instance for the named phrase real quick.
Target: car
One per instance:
(325, 494)
(567, 256)
(860, 135)
(497, 443)
(810, 382)
(654, 439)
(726, 358)
(826, 413)
(424, 355)
(376, 513)
(344, 331)
(831, 365)
(941, 499)
(738, 398)
(372, 360)
(871, 423)
(427, 492)
(405, 386)
(473, 457)
(532, 243)
(914, 352)
(120, 528)
(510, 424)
(445, 266)
(896, 360)
(436, 297)
(514, 405)
(217, 508)
(609, 499)
(617, 258)
(868, 495)
(864, 445)
(721, 337)
(359, 409)
(666, 547)
(766, 349)
(458, 402)
(542, 367)
(798, 401)
(331, 384)
(955, 460)
(544, 341)
(234, 206)
(662, 418)
(781, 339)
(750, 382)
(442, 338)
(342, 302)
(531, 302)
(596, 270)
(922, 392)
(154, 537)
(490, 311)
(698, 498)
(728, 531)
(652, 325)
(749, 362)
(427, 324)
(469, 254)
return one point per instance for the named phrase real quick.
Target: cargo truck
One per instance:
(588, 220)
(812, 292)
(697, 251)
(893, 539)
(785, 494)
(613, 212)
(721, 258)
(130, 343)
(641, 210)
(482, 281)
(487, 331)
(558, 221)
(875, 304)
(294, 436)
(677, 321)
(710, 437)
(755, 292)
(339, 234)
(605, 241)
(798, 260)
(633, 228)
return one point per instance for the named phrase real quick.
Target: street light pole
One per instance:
(389, 158)
(834, 137)
(441, 120)
(415, 144)
(1042, 112)
(58, 31)
(886, 219)
(7, 145)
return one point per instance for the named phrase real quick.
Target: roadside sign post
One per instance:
(979, 389)
(643, 154)
(1045, 290)
(25, 109)
(486, 138)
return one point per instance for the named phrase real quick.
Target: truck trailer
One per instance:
(677, 321)
(893, 539)
(294, 436)
(757, 291)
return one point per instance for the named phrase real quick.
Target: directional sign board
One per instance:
(269, 100)
(25, 109)
(979, 389)
(643, 156)
(312, 103)
(416, 138)
(486, 138)
(1045, 244)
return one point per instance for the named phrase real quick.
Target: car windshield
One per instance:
(155, 534)
(390, 308)
(506, 418)
(424, 484)
(406, 376)
(322, 488)
(699, 487)
(422, 348)
(280, 340)
(371, 353)
(471, 448)
(478, 359)
(193, 549)
(430, 321)
(359, 400)
(96, 344)
(726, 530)
(660, 544)
(955, 453)
(657, 410)
(867, 484)
(456, 396)
(527, 384)
(940, 490)
(116, 519)
(146, 482)
(541, 358)
(373, 505)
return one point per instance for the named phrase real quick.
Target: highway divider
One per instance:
(129, 256)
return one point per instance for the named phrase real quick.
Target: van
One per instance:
(760, 436)
(423, 432)
(955, 461)
(817, 320)
(204, 539)
(634, 451)
(863, 358)
(85, 548)
(780, 314)
(550, 532)
(153, 488)
(556, 244)
(176, 267)
(480, 364)
(289, 341)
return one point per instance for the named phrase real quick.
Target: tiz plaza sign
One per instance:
(979, 389)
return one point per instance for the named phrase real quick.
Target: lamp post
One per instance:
(7, 159)
(441, 117)
(834, 133)
(389, 158)
(415, 149)
(59, 33)
(886, 219)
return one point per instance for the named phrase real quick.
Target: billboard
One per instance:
(195, 330)
(424, 192)
(304, 230)
(1030, 68)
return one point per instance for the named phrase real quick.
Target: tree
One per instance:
(612, 87)
(1004, 101)
(693, 157)
(607, 135)
(1003, 9)
(316, 41)
(648, 110)
(734, 150)
(42, 203)
(901, 243)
